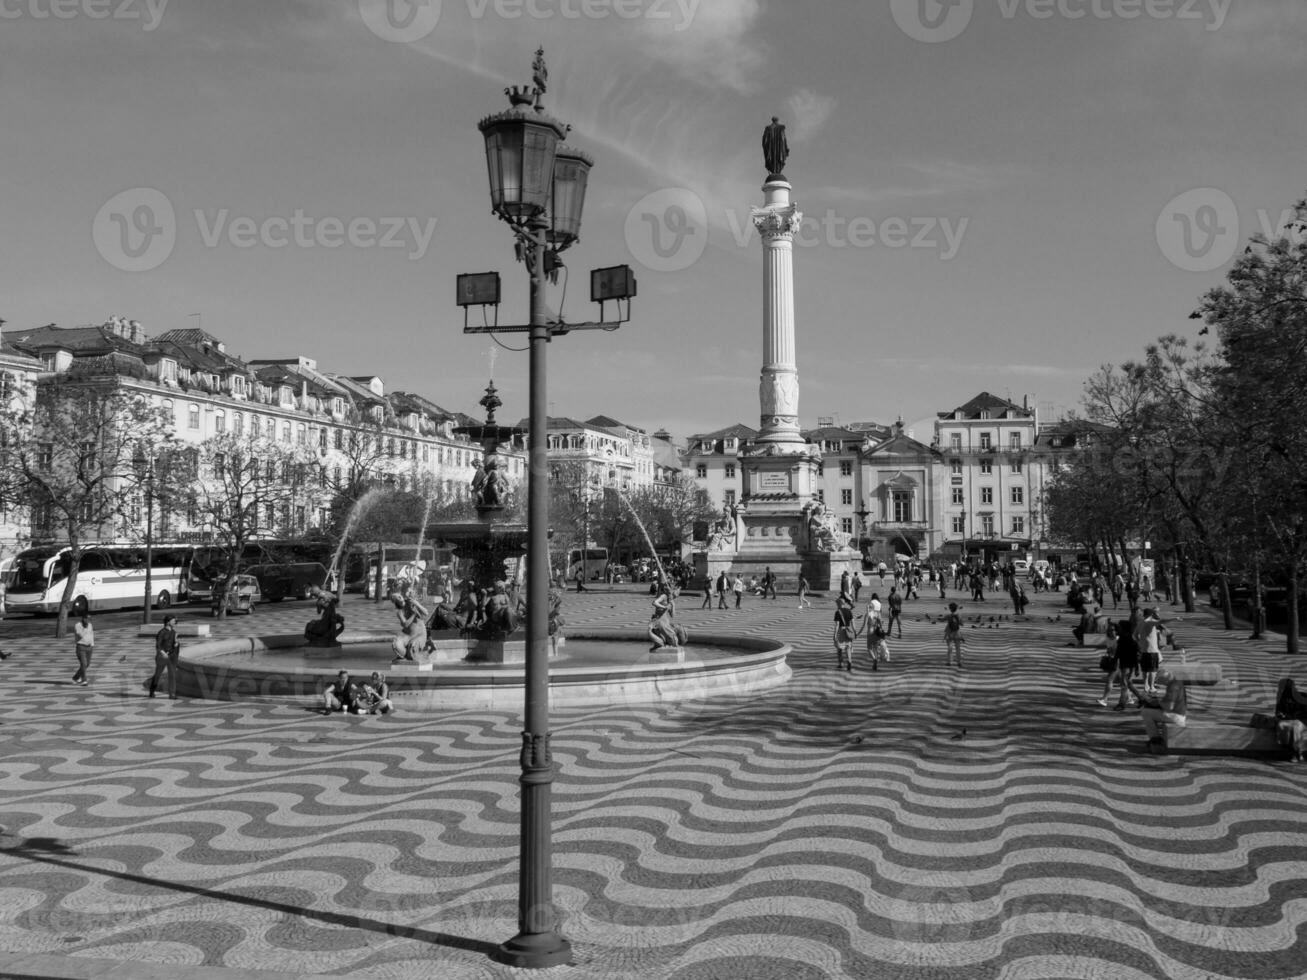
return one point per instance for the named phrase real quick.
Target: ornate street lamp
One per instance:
(537, 186)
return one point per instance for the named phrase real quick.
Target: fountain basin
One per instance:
(600, 667)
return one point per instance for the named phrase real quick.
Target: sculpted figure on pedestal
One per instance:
(775, 148)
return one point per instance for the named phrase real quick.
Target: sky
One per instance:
(999, 195)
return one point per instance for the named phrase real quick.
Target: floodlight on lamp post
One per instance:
(537, 186)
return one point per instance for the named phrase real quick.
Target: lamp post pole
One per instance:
(538, 187)
(149, 543)
(538, 942)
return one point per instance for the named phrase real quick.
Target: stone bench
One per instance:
(1202, 675)
(1220, 738)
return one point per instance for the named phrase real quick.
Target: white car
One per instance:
(1021, 566)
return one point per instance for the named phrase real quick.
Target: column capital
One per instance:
(777, 222)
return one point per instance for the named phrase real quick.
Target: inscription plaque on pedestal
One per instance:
(773, 482)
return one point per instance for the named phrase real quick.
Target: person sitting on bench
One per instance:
(1291, 719)
(1157, 711)
(1088, 624)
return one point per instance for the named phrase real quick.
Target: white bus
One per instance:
(111, 576)
(594, 563)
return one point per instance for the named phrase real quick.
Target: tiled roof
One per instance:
(189, 337)
(76, 339)
(985, 402)
(736, 431)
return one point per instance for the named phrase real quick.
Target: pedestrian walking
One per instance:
(768, 583)
(739, 589)
(84, 640)
(844, 633)
(1111, 666)
(857, 585)
(877, 647)
(952, 635)
(166, 652)
(1127, 656)
(895, 602)
(723, 586)
(803, 593)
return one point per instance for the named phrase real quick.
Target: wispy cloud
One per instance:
(809, 111)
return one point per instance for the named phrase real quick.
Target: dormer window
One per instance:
(338, 406)
(984, 413)
(167, 370)
(237, 385)
(287, 396)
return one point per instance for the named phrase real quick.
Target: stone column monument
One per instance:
(780, 523)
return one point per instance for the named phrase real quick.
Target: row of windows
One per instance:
(986, 441)
(701, 470)
(301, 435)
(987, 525)
(1016, 495)
(986, 467)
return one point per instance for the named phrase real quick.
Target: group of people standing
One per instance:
(724, 585)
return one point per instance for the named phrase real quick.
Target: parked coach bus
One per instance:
(111, 576)
(590, 563)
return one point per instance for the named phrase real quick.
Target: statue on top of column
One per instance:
(775, 150)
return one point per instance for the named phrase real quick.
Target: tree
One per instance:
(575, 503)
(1260, 317)
(669, 511)
(71, 459)
(244, 488)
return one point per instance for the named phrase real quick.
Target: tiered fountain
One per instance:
(486, 547)
(483, 667)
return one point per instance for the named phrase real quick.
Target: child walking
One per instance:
(877, 643)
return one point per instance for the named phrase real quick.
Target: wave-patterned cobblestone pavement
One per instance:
(916, 822)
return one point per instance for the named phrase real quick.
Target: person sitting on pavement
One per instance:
(342, 695)
(375, 696)
(1158, 711)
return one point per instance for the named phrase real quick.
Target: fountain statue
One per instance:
(663, 628)
(326, 629)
